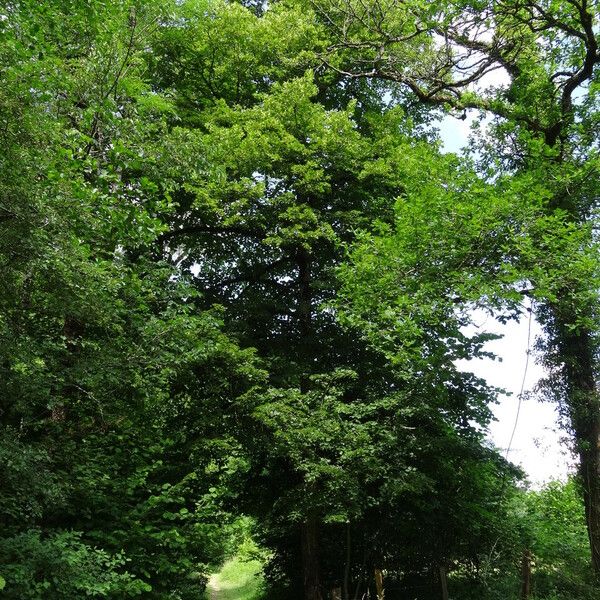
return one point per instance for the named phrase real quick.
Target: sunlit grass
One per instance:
(237, 580)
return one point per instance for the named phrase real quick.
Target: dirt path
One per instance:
(236, 580)
(214, 591)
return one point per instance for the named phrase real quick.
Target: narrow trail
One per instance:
(236, 580)
(212, 587)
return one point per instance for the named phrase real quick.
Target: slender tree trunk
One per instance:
(526, 575)
(379, 584)
(305, 292)
(72, 329)
(357, 590)
(347, 565)
(588, 440)
(443, 582)
(304, 314)
(310, 528)
(590, 477)
(310, 560)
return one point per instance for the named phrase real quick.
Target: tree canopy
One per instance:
(238, 272)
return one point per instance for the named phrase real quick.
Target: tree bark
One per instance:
(379, 584)
(577, 350)
(310, 560)
(310, 528)
(304, 298)
(347, 565)
(443, 582)
(590, 477)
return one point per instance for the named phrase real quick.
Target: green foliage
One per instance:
(219, 51)
(235, 281)
(555, 522)
(111, 377)
(549, 523)
(62, 566)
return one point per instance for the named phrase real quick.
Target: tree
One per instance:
(545, 131)
(180, 186)
(282, 184)
(553, 520)
(113, 383)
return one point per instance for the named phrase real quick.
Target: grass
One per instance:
(236, 580)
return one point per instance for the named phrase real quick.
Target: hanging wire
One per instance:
(520, 396)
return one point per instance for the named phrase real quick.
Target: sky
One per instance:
(536, 445)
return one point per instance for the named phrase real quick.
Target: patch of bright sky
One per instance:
(536, 445)
(455, 131)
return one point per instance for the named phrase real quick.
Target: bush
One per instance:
(61, 566)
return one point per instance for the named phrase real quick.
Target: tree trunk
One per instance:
(72, 330)
(310, 529)
(526, 575)
(304, 299)
(357, 589)
(379, 584)
(347, 565)
(443, 582)
(588, 440)
(304, 315)
(577, 352)
(590, 477)
(310, 560)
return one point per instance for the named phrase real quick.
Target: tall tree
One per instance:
(113, 383)
(269, 193)
(160, 159)
(546, 130)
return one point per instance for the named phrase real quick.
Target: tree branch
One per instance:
(211, 229)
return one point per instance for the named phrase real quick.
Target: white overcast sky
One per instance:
(537, 443)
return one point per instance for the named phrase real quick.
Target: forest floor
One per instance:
(236, 580)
